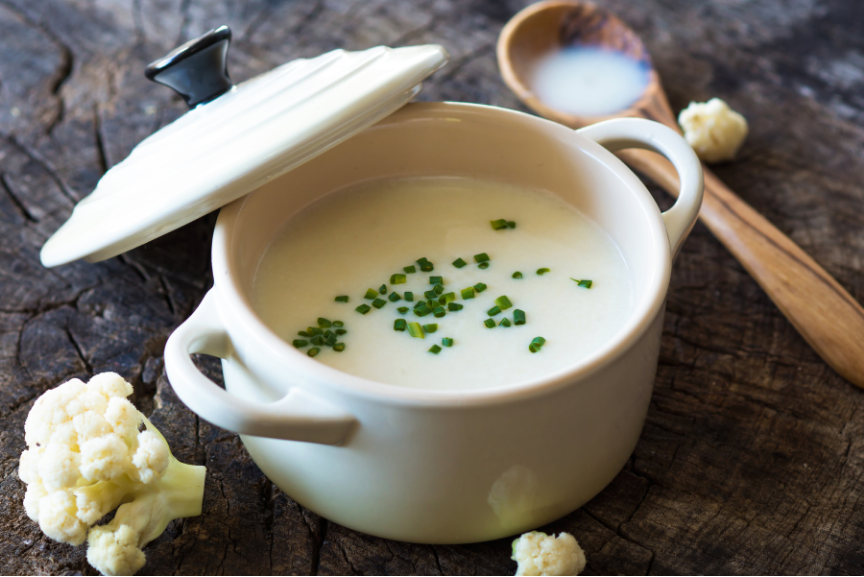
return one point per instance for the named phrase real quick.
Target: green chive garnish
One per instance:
(317, 340)
(398, 279)
(371, 294)
(503, 302)
(511, 224)
(468, 293)
(313, 351)
(383, 289)
(436, 280)
(304, 334)
(363, 309)
(422, 310)
(324, 323)
(482, 257)
(490, 323)
(483, 265)
(409, 296)
(439, 312)
(341, 332)
(400, 325)
(539, 341)
(432, 303)
(331, 341)
(493, 311)
(425, 265)
(542, 271)
(403, 310)
(422, 260)
(430, 328)
(454, 307)
(328, 333)
(583, 283)
(431, 295)
(435, 349)
(415, 330)
(378, 303)
(300, 343)
(447, 342)
(339, 347)
(459, 263)
(533, 348)
(480, 287)
(446, 298)
(518, 317)
(438, 288)
(409, 269)
(498, 224)
(342, 299)
(517, 274)
(338, 324)
(505, 322)
(394, 296)
(314, 331)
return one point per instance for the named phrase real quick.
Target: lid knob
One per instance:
(197, 70)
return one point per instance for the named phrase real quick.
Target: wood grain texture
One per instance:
(751, 457)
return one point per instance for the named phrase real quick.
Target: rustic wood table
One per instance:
(751, 457)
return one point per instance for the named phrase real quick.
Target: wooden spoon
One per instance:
(823, 312)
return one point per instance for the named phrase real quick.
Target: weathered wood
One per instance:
(751, 456)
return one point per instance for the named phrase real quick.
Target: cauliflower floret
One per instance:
(540, 554)
(85, 457)
(714, 130)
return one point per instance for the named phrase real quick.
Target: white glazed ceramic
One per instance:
(442, 466)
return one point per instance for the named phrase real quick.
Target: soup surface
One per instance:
(354, 240)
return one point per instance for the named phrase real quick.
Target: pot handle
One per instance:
(298, 416)
(621, 133)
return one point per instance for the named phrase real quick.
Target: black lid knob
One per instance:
(198, 70)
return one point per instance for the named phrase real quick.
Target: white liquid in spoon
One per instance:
(589, 81)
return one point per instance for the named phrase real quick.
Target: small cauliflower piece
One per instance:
(85, 457)
(714, 130)
(541, 554)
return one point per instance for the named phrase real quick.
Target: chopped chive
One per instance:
(446, 298)
(447, 342)
(383, 289)
(338, 324)
(430, 328)
(439, 312)
(427, 267)
(328, 333)
(583, 283)
(341, 332)
(378, 303)
(409, 296)
(503, 302)
(422, 310)
(454, 307)
(483, 265)
(415, 330)
(542, 271)
(493, 311)
(403, 310)
(314, 331)
(432, 303)
(431, 295)
(438, 288)
(304, 334)
(459, 263)
(490, 323)
(371, 294)
(394, 296)
(419, 304)
(400, 325)
(422, 260)
(324, 323)
(339, 347)
(300, 343)
(482, 257)
(342, 299)
(533, 348)
(511, 224)
(498, 224)
(313, 351)
(436, 280)
(435, 349)
(317, 340)
(398, 279)
(518, 317)
(539, 341)
(331, 341)
(480, 287)
(468, 293)
(409, 269)
(505, 322)
(363, 309)
(517, 274)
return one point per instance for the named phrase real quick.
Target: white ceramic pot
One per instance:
(442, 466)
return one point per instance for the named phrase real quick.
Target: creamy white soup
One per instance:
(352, 243)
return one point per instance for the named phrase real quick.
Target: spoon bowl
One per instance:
(546, 27)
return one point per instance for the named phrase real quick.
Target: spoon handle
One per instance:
(827, 316)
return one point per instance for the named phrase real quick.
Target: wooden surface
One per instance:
(752, 452)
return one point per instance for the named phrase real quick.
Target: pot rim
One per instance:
(230, 293)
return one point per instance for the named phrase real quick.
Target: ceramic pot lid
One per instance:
(231, 144)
